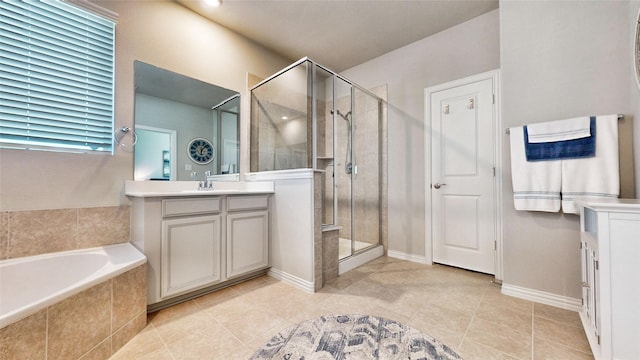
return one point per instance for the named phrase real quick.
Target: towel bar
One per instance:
(507, 131)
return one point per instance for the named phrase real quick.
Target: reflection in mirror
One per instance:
(171, 110)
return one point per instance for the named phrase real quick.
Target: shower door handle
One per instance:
(438, 185)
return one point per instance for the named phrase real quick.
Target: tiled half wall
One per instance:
(93, 324)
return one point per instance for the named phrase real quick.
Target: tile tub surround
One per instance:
(92, 324)
(35, 232)
(461, 309)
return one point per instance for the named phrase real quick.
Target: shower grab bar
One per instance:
(507, 131)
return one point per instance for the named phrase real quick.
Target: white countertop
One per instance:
(190, 188)
(624, 205)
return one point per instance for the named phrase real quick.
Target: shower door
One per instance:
(357, 124)
(348, 148)
(365, 174)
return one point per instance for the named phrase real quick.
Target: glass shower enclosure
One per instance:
(307, 116)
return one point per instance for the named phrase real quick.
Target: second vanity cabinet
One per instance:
(610, 242)
(195, 244)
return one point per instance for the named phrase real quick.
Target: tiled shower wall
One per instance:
(27, 233)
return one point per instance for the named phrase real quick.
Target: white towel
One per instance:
(559, 130)
(536, 185)
(596, 177)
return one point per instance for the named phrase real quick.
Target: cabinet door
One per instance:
(247, 242)
(190, 254)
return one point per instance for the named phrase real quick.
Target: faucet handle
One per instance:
(200, 185)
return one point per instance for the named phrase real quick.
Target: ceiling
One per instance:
(339, 34)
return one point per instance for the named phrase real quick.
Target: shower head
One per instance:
(346, 117)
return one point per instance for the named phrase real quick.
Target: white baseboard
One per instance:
(409, 257)
(301, 284)
(353, 262)
(542, 297)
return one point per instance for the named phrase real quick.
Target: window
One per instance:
(56, 77)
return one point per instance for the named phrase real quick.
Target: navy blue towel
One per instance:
(558, 150)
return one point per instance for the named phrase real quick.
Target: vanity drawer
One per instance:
(236, 203)
(176, 207)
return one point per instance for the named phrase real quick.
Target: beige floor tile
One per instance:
(240, 354)
(446, 336)
(217, 297)
(162, 354)
(346, 280)
(198, 346)
(470, 350)
(146, 343)
(459, 308)
(516, 320)
(174, 312)
(567, 335)
(439, 316)
(253, 284)
(389, 313)
(514, 343)
(494, 296)
(556, 314)
(179, 328)
(543, 350)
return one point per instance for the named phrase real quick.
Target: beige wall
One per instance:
(161, 33)
(470, 48)
(559, 60)
(634, 93)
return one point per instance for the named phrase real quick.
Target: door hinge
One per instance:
(494, 171)
(493, 98)
(597, 265)
(495, 245)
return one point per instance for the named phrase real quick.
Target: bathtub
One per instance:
(32, 283)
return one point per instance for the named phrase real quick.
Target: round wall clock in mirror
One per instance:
(201, 151)
(636, 50)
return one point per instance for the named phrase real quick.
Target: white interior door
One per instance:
(463, 176)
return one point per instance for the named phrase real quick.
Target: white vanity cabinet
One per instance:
(610, 248)
(197, 243)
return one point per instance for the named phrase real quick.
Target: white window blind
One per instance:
(56, 77)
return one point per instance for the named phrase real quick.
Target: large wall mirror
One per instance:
(186, 128)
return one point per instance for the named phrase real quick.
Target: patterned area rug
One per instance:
(352, 337)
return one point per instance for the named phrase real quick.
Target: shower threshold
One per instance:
(368, 253)
(345, 247)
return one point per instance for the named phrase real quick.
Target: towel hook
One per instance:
(471, 104)
(119, 134)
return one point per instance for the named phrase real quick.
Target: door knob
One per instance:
(437, 185)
